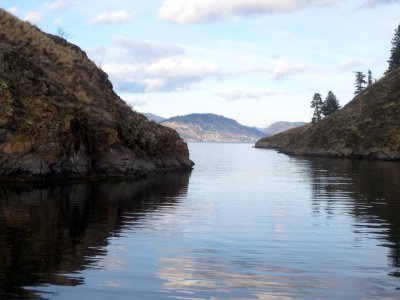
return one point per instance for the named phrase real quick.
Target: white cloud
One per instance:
(372, 3)
(231, 96)
(167, 74)
(118, 17)
(136, 102)
(347, 65)
(283, 69)
(147, 51)
(56, 5)
(33, 17)
(58, 21)
(13, 10)
(97, 50)
(200, 11)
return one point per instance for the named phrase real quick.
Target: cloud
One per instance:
(33, 17)
(58, 21)
(201, 11)
(231, 96)
(372, 3)
(56, 5)
(283, 69)
(97, 50)
(119, 17)
(136, 102)
(165, 75)
(139, 51)
(13, 10)
(346, 65)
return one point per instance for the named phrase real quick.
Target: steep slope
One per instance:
(281, 126)
(59, 116)
(367, 127)
(211, 128)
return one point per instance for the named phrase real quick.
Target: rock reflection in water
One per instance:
(61, 229)
(371, 191)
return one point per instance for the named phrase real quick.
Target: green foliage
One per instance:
(330, 105)
(370, 79)
(317, 104)
(360, 82)
(394, 60)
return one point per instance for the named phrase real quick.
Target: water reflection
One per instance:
(250, 225)
(371, 190)
(46, 231)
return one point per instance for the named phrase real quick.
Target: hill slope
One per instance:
(60, 117)
(281, 126)
(211, 128)
(367, 127)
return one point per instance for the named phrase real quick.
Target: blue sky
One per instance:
(257, 61)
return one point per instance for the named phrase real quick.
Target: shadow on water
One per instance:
(374, 188)
(61, 229)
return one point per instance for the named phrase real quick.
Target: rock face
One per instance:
(367, 127)
(212, 128)
(59, 115)
(281, 126)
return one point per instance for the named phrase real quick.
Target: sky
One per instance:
(256, 61)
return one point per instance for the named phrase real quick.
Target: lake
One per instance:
(244, 224)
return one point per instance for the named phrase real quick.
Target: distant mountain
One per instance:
(211, 128)
(153, 117)
(281, 126)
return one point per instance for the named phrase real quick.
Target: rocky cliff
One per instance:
(59, 115)
(212, 128)
(367, 127)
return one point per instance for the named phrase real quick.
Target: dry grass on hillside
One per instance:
(18, 34)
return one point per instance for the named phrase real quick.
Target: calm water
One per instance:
(245, 224)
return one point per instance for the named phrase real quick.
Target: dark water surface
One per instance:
(245, 224)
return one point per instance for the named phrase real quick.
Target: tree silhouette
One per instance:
(330, 105)
(360, 82)
(394, 60)
(317, 103)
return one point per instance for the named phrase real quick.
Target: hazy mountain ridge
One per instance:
(367, 127)
(211, 128)
(153, 117)
(281, 126)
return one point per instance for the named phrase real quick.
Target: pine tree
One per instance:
(360, 82)
(317, 103)
(370, 79)
(330, 105)
(394, 60)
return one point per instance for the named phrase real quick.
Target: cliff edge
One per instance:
(367, 127)
(59, 115)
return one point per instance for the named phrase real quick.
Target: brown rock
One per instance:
(59, 116)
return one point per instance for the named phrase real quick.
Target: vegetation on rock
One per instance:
(61, 118)
(317, 104)
(330, 105)
(394, 60)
